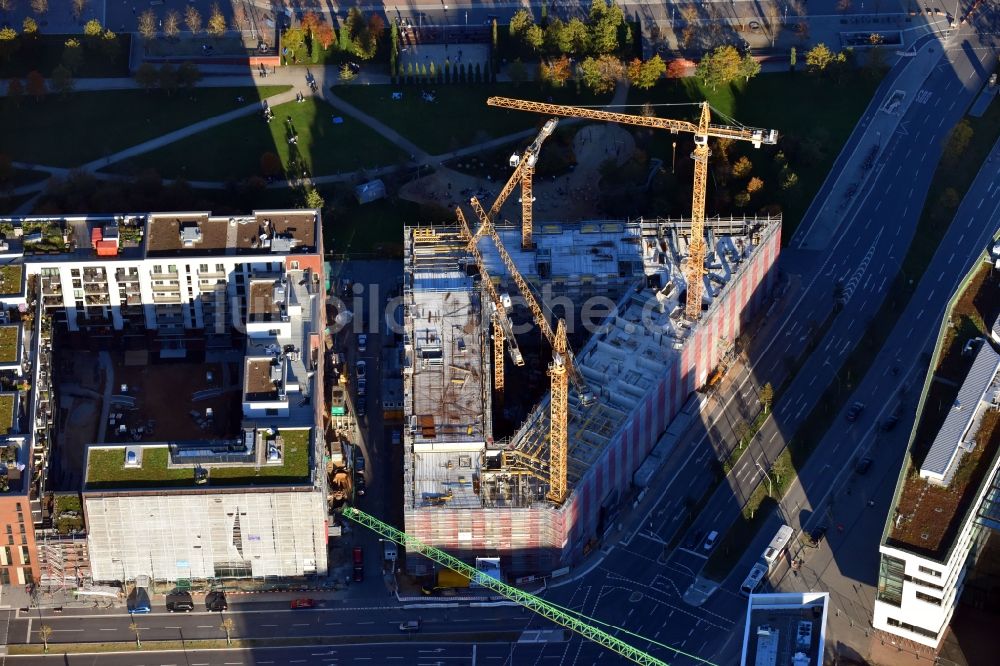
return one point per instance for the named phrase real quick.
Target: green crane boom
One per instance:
(529, 601)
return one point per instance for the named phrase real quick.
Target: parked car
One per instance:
(362, 405)
(362, 342)
(216, 601)
(863, 466)
(299, 604)
(710, 540)
(359, 484)
(410, 625)
(359, 564)
(179, 602)
(360, 369)
(696, 538)
(854, 411)
(362, 386)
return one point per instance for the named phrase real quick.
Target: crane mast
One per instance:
(503, 330)
(695, 269)
(524, 170)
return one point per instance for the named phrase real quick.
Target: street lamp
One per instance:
(770, 488)
(673, 162)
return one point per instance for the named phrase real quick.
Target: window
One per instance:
(928, 598)
(10, 539)
(202, 268)
(926, 570)
(890, 580)
(4, 577)
(28, 577)
(7, 559)
(10, 530)
(294, 265)
(18, 507)
(20, 519)
(25, 555)
(892, 622)
(220, 268)
(22, 528)
(172, 268)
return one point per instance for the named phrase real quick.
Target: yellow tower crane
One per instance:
(524, 170)
(502, 327)
(695, 269)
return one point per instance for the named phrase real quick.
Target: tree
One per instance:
(172, 23)
(29, 27)
(742, 167)
(555, 72)
(517, 72)
(820, 57)
(598, 8)
(644, 75)
(6, 5)
(134, 627)
(45, 632)
(741, 198)
(720, 66)
(556, 39)
(146, 76)
(534, 37)
(575, 33)
(314, 199)
(110, 46)
(325, 35)
(216, 22)
(676, 69)
(72, 56)
(767, 396)
(192, 19)
(270, 164)
(77, 7)
(92, 28)
(604, 36)
(8, 42)
(35, 84)
(62, 79)
(520, 22)
(789, 178)
(602, 74)
(15, 92)
(749, 67)
(294, 40)
(227, 626)
(188, 75)
(39, 6)
(168, 78)
(347, 74)
(147, 24)
(957, 141)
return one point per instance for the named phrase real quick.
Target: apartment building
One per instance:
(206, 462)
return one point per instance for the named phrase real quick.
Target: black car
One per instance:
(890, 423)
(816, 536)
(216, 601)
(854, 411)
(863, 466)
(362, 405)
(696, 538)
(179, 602)
(359, 484)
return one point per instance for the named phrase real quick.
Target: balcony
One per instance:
(122, 275)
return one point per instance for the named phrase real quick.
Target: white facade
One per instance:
(917, 595)
(192, 534)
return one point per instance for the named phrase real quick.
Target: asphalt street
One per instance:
(866, 251)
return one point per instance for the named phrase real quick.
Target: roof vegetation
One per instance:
(6, 412)
(106, 468)
(8, 343)
(10, 279)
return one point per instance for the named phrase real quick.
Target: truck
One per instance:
(338, 406)
(446, 582)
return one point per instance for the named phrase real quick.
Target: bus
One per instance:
(754, 580)
(779, 544)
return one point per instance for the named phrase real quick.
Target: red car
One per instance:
(303, 603)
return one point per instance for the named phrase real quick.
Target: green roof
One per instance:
(6, 412)
(106, 468)
(10, 279)
(8, 343)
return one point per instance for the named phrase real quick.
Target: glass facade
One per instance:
(890, 580)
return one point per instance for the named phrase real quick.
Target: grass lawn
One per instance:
(375, 227)
(458, 116)
(101, 123)
(106, 468)
(44, 53)
(10, 279)
(8, 343)
(234, 150)
(6, 412)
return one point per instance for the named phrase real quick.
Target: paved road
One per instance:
(867, 249)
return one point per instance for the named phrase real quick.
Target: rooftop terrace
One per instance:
(155, 465)
(261, 377)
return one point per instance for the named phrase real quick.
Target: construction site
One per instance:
(492, 466)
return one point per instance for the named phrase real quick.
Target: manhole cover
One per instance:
(635, 597)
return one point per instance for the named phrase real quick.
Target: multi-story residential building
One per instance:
(200, 457)
(946, 504)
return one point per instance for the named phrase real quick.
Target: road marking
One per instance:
(877, 206)
(67, 630)
(108, 629)
(981, 201)
(923, 156)
(904, 215)
(269, 625)
(306, 624)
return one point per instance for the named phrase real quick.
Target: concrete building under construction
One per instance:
(642, 360)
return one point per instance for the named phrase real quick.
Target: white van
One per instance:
(710, 540)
